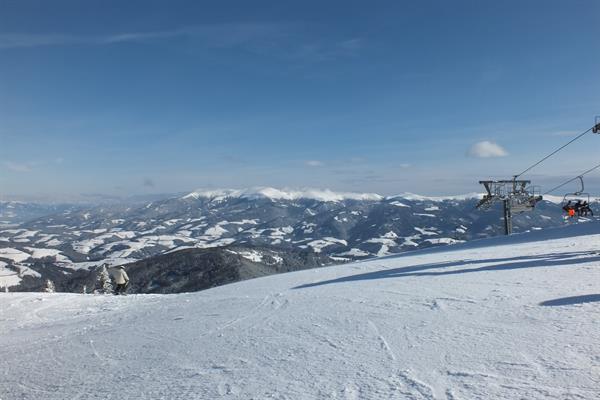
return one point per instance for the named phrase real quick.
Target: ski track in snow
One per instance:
(511, 320)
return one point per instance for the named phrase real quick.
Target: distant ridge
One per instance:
(282, 194)
(413, 196)
(313, 194)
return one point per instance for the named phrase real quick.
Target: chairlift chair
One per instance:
(525, 199)
(572, 199)
(520, 205)
(575, 197)
(579, 195)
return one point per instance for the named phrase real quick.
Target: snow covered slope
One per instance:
(506, 318)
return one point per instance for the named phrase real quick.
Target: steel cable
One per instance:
(572, 179)
(553, 153)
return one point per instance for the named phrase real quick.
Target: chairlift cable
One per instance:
(554, 152)
(572, 179)
(525, 198)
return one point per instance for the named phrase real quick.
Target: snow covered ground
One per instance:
(505, 318)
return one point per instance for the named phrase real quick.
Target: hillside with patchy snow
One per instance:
(342, 227)
(507, 318)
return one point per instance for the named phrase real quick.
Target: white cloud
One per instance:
(487, 149)
(315, 163)
(17, 167)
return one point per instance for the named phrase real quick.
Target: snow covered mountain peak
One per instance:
(418, 197)
(282, 194)
(315, 194)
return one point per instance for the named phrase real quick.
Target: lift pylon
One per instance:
(517, 196)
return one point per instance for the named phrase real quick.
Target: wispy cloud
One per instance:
(322, 50)
(486, 149)
(18, 167)
(214, 35)
(17, 40)
(290, 40)
(314, 163)
(29, 166)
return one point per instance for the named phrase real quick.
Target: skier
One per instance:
(578, 208)
(121, 279)
(567, 206)
(569, 209)
(585, 209)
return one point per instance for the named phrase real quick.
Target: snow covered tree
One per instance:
(50, 288)
(104, 284)
(84, 289)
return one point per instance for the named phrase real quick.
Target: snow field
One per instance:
(508, 318)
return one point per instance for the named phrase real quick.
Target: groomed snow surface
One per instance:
(506, 318)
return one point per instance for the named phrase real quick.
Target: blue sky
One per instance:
(138, 97)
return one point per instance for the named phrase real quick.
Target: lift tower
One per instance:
(517, 196)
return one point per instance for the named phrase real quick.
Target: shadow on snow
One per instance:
(441, 269)
(568, 301)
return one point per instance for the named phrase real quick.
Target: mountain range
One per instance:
(338, 227)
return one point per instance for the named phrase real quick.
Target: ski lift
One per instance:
(515, 195)
(577, 203)
(579, 195)
(524, 199)
(596, 128)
